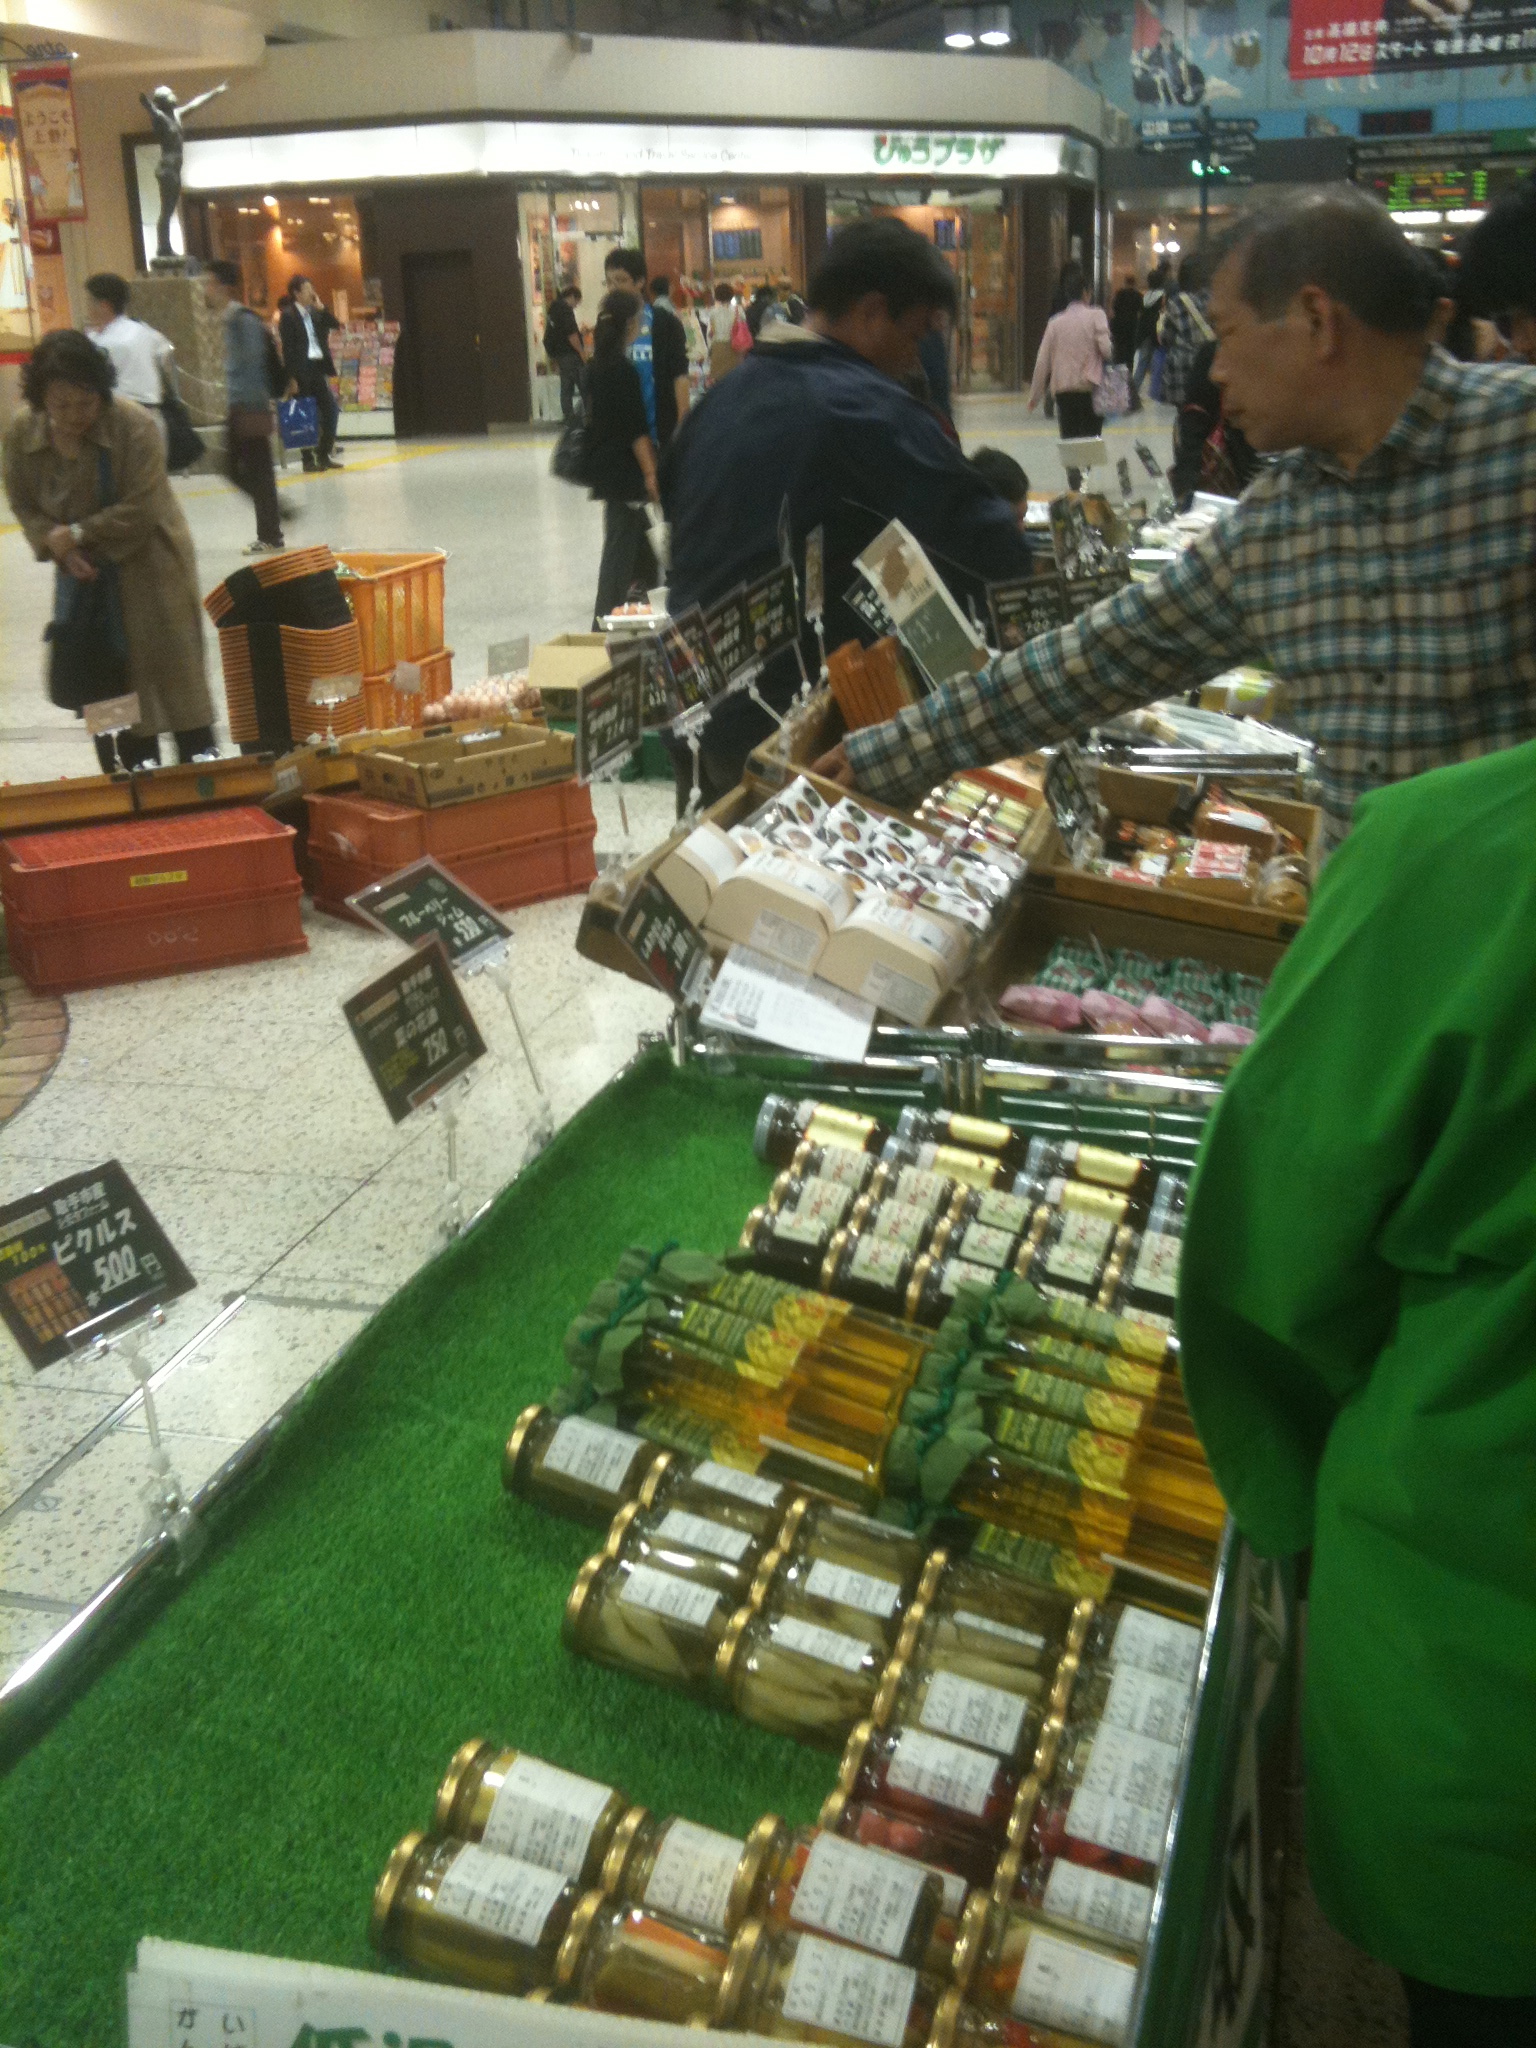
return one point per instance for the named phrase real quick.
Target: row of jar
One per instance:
(804, 1935)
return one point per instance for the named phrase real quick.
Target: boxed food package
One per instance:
(903, 961)
(694, 868)
(781, 905)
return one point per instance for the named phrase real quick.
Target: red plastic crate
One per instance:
(526, 871)
(172, 938)
(137, 867)
(390, 835)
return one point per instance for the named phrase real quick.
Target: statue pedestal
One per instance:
(174, 304)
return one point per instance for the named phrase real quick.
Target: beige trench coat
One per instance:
(143, 530)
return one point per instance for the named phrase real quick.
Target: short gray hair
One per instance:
(1344, 242)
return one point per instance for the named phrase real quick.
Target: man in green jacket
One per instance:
(1358, 1316)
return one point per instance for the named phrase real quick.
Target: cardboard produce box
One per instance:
(557, 669)
(459, 767)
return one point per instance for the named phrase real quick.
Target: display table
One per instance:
(238, 1773)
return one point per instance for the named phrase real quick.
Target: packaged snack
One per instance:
(1231, 1034)
(1052, 1009)
(1110, 1015)
(1169, 1020)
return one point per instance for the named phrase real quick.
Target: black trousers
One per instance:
(130, 750)
(627, 558)
(570, 383)
(249, 458)
(1464, 2019)
(314, 382)
(1076, 419)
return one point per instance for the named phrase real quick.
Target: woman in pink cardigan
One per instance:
(1073, 351)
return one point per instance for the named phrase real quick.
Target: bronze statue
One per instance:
(167, 118)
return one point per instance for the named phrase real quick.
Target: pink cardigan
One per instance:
(1073, 351)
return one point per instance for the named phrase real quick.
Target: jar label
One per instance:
(903, 1223)
(1146, 1704)
(965, 1619)
(1115, 1906)
(842, 1164)
(1116, 1824)
(879, 1260)
(927, 1189)
(848, 1588)
(1154, 1642)
(1002, 1211)
(955, 1272)
(498, 1893)
(694, 1532)
(1157, 1264)
(1062, 1985)
(1110, 1169)
(798, 1229)
(984, 1715)
(744, 1485)
(1080, 1250)
(860, 1895)
(986, 1246)
(545, 1816)
(943, 1772)
(693, 1873)
(843, 1991)
(1083, 1454)
(825, 1645)
(826, 1200)
(591, 1453)
(661, 1593)
(1132, 1767)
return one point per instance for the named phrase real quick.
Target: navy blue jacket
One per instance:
(807, 419)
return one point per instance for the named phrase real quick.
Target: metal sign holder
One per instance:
(166, 1510)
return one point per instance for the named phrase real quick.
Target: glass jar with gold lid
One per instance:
(1077, 1895)
(869, 1268)
(961, 1859)
(935, 1283)
(458, 1911)
(854, 1168)
(575, 1467)
(791, 1242)
(825, 1884)
(1003, 1720)
(657, 1624)
(690, 1546)
(521, 1806)
(689, 1873)
(786, 1671)
(784, 1124)
(722, 1493)
(987, 1621)
(994, 1245)
(931, 1777)
(958, 2024)
(850, 1571)
(1011, 1961)
(620, 1958)
(802, 1987)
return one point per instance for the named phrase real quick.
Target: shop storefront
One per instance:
(457, 236)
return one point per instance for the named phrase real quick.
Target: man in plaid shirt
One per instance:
(1384, 568)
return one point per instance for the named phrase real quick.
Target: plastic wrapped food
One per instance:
(1055, 1009)
(1106, 1013)
(1283, 886)
(1169, 1020)
(1231, 1034)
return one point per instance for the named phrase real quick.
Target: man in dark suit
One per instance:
(305, 328)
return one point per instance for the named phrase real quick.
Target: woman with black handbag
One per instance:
(619, 454)
(85, 476)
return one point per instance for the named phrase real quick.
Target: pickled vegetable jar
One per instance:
(575, 1467)
(658, 1624)
(520, 1806)
(801, 1987)
(464, 1913)
(692, 1874)
(1018, 1964)
(828, 1885)
(783, 1670)
(691, 1546)
(620, 1958)
(931, 1777)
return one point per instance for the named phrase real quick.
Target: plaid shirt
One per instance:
(1183, 332)
(1397, 605)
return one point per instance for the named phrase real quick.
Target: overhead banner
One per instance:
(44, 104)
(1326, 43)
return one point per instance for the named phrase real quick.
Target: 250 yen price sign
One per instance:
(414, 1029)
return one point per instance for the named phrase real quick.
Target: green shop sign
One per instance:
(934, 152)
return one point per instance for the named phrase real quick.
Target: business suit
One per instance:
(310, 372)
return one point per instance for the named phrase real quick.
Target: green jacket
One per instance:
(1358, 1314)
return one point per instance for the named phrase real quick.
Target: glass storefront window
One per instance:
(273, 238)
(566, 236)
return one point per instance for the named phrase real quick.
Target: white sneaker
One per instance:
(265, 547)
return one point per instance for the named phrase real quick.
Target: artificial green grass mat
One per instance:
(240, 1774)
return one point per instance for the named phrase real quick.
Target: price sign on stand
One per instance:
(609, 708)
(815, 573)
(80, 1258)
(725, 621)
(1025, 607)
(667, 946)
(112, 714)
(424, 901)
(696, 675)
(1072, 791)
(773, 621)
(1082, 592)
(864, 604)
(756, 997)
(414, 1029)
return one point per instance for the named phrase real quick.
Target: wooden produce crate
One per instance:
(236, 779)
(456, 768)
(397, 600)
(72, 800)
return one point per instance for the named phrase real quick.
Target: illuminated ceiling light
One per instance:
(269, 199)
(1170, 248)
(960, 26)
(995, 26)
(1463, 216)
(1418, 217)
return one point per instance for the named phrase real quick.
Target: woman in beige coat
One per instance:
(54, 478)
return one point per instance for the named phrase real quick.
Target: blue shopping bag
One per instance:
(298, 422)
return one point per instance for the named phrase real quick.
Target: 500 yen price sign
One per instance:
(414, 1029)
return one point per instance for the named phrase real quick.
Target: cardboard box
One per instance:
(557, 669)
(694, 869)
(459, 767)
(779, 905)
(902, 961)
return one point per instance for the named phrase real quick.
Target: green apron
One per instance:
(1357, 1307)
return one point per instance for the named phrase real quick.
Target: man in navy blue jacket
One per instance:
(818, 416)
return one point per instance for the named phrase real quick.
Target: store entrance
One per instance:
(977, 233)
(441, 342)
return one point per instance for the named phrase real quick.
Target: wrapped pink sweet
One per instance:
(1051, 1008)
(1230, 1034)
(1168, 1020)
(1105, 1012)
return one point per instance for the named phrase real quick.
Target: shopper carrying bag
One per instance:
(298, 422)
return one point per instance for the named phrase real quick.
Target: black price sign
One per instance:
(1085, 591)
(665, 944)
(424, 901)
(608, 714)
(79, 1259)
(1072, 791)
(656, 706)
(864, 604)
(725, 621)
(414, 1029)
(815, 572)
(697, 676)
(1024, 608)
(773, 621)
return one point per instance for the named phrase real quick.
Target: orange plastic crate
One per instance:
(105, 871)
(523, 871)
(390, 835)
(397, 601)
(384, 706)
(169, 938)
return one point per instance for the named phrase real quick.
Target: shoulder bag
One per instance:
(183, 443)
(87, 644)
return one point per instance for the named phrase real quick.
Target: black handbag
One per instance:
(183, 443)
(572, 459)
(87, 643)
